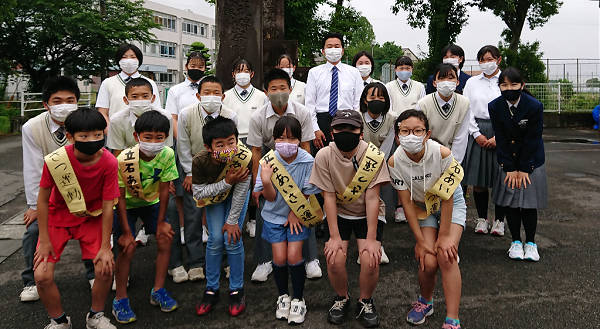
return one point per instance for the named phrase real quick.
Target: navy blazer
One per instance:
(462, 80)
(519, 143)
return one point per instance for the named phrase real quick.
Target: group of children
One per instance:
(246, 151)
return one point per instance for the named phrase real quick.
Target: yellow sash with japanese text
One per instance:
(129, 168)
(443, 189)
(309, 210)
(66, 181)
(240, 160)
(369, 166)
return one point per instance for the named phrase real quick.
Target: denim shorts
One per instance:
(275, 233)
(148, 215)
(459, 212)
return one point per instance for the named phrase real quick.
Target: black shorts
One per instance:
(358, 226)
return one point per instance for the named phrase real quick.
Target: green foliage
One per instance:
(593, 82)
(528, 59)
(382, 54)
(304, 24)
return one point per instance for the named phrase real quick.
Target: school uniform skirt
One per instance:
(480, 164)
(535, 196)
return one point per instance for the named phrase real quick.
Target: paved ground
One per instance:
(560, 291)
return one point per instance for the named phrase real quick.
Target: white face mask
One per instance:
(242, 79)
(129, 66)
(59, 112)
(446, 88)
(289, 71)
(139, 107)
(365, 70)
(210, 103)
(451, 61)
(488, 68)
(151, 149)
(411, 144)
(333, 54)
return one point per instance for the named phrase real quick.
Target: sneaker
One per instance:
(516, 250)
(54, 325)
(297, 311)
(204, 234)
(367, 313)
(211, 297)
(482, 225)
(420, 311)
(261, 274)
(195, 274)
(531, 252)
(450, 324)
(283, 307)
(313, 269)
(338, 310)
(399, 216)
(498, 228)
(114, 285)
(141, 237)
(227, 270)
(182, 234)
(98, 321)
(91, 282)
(163, 298)
(122, 311)
(179, 274)
(384, 257)
(237, 302)
(29, 294)
(251, 228)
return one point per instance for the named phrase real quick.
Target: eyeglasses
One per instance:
(417, 132)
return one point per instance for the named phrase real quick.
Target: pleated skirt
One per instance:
(480, 164)
(535, 196)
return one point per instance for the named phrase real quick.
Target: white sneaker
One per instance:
(181, 233)
(498, 228)
(283, 307)
(141, 237)
(251, 228)
(313, 269)
(29, 294)
(204, 234)
(384, 257)
(114, 285)
(179, 274)
(227, 270)
(195, 274)
(261, 274)
(297, 311)
(531, 252)
(98, 321)
(92, 283)
(399, 216)
(54, 325)
(482, 225)
(516, 250)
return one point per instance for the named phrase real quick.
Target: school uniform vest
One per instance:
(42, 136)
(404, 100)
(444, 126)
(377, 135)
(195, 122)
(298, 94)
(116, 89)
(244, 107)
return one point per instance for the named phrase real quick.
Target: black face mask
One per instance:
(376, 106)
(346, 141)
(89, 148)
(511, 95)
(195, 74)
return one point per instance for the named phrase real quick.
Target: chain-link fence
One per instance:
(566, 97)
(33, 101)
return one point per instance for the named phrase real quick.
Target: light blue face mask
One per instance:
(404, 75)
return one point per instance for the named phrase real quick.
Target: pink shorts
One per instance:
(89, 234)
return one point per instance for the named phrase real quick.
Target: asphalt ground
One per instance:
(559, 291)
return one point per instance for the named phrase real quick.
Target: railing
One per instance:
(85, 99)
(566, 97)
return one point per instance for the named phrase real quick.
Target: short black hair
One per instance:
(346, 127)
(220, 127)
(404, 60)
(84, 119)
(408, 114)
(276, 74)
(210, 78)
(288, 124)
(331, 35)
(377, 89)
(361, 54)
(124, 48)
(138, 82)
(511, 74)
(152, 121)
(59, 83)
(445, 70)
(288, 57)
(240, 63)
(454, 50)
(195, 55)
(493, 50)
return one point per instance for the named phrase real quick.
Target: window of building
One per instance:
(162, 49)
(194, 28)
(165, 77)
(214, 32)
(167, 21)
(186, 50)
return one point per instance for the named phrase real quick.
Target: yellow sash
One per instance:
(129, 166)
(63, 174)
(240, 160)
(369, 166)
(309, 211)
(444, 188)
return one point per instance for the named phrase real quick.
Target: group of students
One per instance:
(292, 157)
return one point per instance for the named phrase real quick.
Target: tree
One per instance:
(302, 23)
(514, 13)
(70, 35)
(528, 59)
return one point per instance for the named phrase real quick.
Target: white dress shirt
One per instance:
(423, 92)
(181, 96)
(480, 91)
(240, 90)
(318, 86)
(103, 98)
(368, 118)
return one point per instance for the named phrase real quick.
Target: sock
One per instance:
(398, 206)
(92, 312)
(298, 274)
(366, 301)
(499, 212)
(529, 217)
(456, 321)
(429, 302)
(62, 319)
(513, 219)
(481, 203)
(280, 273)
(251, 212)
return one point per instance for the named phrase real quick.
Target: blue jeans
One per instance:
(216, 217)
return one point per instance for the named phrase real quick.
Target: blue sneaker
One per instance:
(122, 311)
(450, 324)
(419, 312)
(163, 298)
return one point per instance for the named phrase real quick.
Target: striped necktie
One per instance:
(60, 132)
(333, 93)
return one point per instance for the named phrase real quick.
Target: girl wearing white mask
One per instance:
(480, 160)
(110, 96)
(286, 63)
(415, 168)
(404, 92)
(363, 61)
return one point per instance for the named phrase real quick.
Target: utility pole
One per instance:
(103, 59)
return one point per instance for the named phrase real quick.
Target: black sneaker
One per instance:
(337, 312)
(211, 297)
(367, 313)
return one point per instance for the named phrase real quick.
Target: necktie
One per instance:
(512, 109)
(333, 93)
(244, 93)
(374, 123)
(405, 86)
(365, 83)
(60, 132)
(194, 85)
(209, 118)
(126, 80)
(446, 107)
